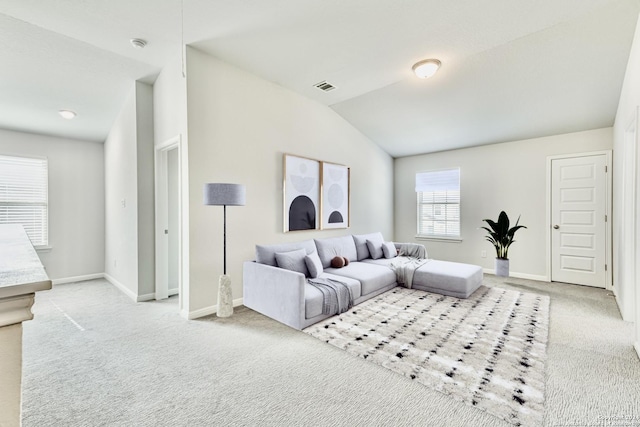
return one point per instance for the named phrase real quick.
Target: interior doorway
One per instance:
(173, 221)
(168, 188)
(579, 219)
(631, 224)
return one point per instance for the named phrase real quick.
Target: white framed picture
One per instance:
(336, 196)
(301, 188)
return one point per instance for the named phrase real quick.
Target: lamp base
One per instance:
(225, 298)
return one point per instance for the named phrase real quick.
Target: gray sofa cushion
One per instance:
(313, 297)
(336, 246)
(389, 250)
(293, 260)
(375, 249)
(448, 278)
(360, 241)
(314, 265)
(266, 254)
(385, 262)
(372, 277)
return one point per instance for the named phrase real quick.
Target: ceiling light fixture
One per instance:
(67, 114)
(427, 68)
(138, 43)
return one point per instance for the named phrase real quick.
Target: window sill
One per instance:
(440, 239)
(43, 248)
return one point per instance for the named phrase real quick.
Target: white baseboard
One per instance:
(128, 292)
(146, 297)
(212, 309)
(201, 312)
(620, 307)
(78, 278)
(637, 347)
(152, 296)
(536, 277)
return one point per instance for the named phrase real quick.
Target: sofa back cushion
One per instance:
(389, 250)
(266, 254)
(361, 243)
(336, 246)
(293, 260)
(375, 249)
(314, 265)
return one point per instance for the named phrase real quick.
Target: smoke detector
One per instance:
(138, 43)
(67, 114)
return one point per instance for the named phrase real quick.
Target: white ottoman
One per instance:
(448, 278)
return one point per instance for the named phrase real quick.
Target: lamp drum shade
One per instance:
(224, 194)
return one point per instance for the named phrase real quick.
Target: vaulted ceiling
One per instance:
(511, 69)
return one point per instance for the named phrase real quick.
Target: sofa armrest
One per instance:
(274, 292)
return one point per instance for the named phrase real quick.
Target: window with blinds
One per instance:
(23, 196)
(439, 203)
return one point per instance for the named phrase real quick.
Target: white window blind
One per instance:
(438, 203)
(23, 196)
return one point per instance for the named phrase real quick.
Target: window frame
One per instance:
(42, 244)
(420, 233)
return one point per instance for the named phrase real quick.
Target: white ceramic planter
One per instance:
(502, 267)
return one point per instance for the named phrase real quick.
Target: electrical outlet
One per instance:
(483, 254)
(123, 202)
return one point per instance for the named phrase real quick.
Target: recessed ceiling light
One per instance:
(138, 43)
(67, 114)
(427, 68)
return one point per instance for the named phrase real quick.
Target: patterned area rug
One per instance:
(488, 350)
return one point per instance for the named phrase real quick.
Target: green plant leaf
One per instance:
(493, 225)
(500, 235)
(513, 230)
(503, 223)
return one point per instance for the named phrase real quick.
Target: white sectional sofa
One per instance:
(284, 294)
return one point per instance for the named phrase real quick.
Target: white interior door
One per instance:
(168, 219)
(173, 220)
(578, 220)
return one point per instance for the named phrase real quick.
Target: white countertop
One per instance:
(21, 271)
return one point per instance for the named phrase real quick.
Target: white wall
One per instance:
(146, 182)
(76, 201)
(170, 103)
(239, 128)
(121, 195)
(129, 232)
(626, 288)
(509, 176)
(170, 122)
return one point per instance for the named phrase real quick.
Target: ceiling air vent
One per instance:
(325, 86)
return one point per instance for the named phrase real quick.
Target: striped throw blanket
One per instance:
(337, 297)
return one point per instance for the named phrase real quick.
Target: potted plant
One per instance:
(501, 237)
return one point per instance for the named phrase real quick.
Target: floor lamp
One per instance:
(224, 195)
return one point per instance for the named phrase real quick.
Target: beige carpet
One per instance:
(124, 363)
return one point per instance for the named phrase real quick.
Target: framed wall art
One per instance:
(336, 196)
(301, 193)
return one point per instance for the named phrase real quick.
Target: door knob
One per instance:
(556, 226)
